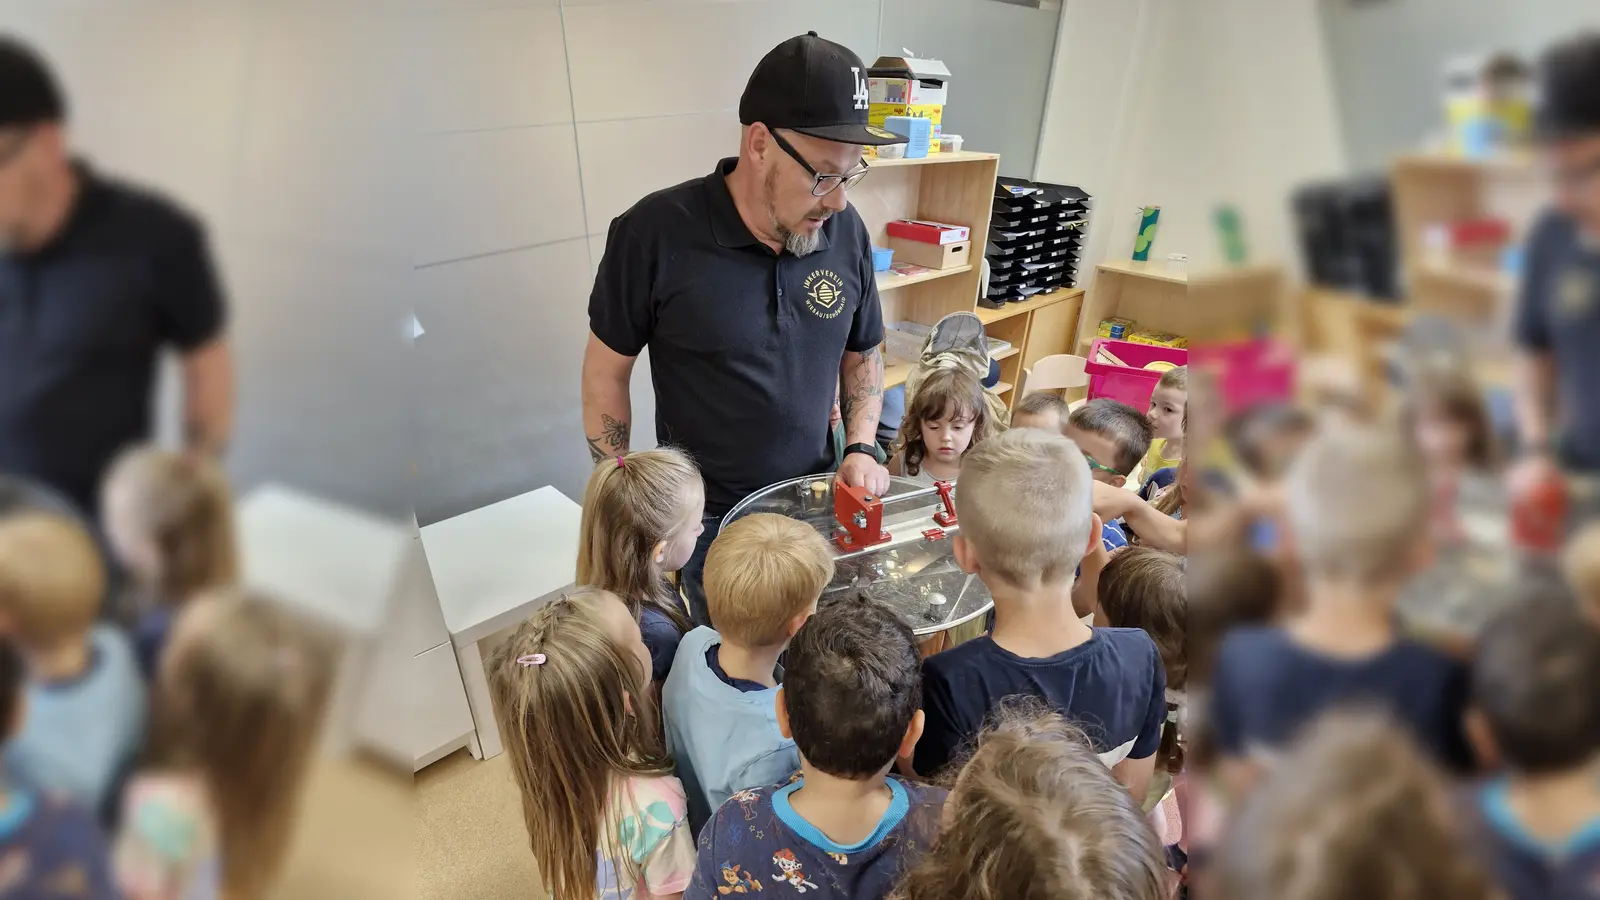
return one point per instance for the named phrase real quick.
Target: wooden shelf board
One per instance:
(1482, 278)
(1006, 353)
(991, 316)
(1154, 269)
(888, 281)
(1441, 161)
(933, 159)
(1001, 388)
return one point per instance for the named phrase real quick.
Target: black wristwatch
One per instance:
(868, 449)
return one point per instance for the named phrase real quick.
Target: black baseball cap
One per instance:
(815, 87)
(29, 93)
(1569, 89)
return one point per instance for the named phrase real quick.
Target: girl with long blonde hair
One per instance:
(641, 516)
(237, 710)
(169, 521)
(1035, 815)
(604, 813)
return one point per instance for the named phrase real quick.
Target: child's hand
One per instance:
(1112, 502)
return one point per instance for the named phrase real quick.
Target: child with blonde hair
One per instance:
(238, 706)
(1044, 410)
(1357, 515)
(1026, 522)
(85, 698)
(948, 416)
(1169, 406)
(764, 576)
(169, 520)
(605, 817)
(1354, 811)
(1035, 815)
(641, 517)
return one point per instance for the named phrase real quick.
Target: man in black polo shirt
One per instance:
(753, 288)
(1558, 313)
(96, 278)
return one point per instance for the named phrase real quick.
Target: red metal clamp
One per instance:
(860, 515)
(946, 516)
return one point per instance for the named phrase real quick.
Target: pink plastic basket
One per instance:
(1130, 384)
(1250, 372)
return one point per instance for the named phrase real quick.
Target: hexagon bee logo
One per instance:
(825, 294)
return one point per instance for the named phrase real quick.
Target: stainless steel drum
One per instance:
(914, 572)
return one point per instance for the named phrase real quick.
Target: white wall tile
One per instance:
(349, 190)
(344, 67)
(633, 60)
(487, 191)
(623, 160)
(498, 373)
(492, 68)
(321, 370)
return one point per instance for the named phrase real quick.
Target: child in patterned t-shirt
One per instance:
(843, 827)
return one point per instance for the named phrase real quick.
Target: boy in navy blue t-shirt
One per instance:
(843, 827)
(1025, 523)
(1536, 710)
(1358, 516)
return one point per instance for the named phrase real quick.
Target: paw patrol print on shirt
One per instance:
(789, 870)
(824, 294)
(737, 881)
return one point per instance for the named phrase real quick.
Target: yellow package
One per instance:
(1157, 339)
(1106, 325)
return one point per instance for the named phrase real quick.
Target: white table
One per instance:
(493, 567)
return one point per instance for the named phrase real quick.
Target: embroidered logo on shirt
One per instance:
(789, 870)
(824, 294)
(737, 882)
(1575, 293)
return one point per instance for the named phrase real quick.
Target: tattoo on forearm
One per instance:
(863, 382)
(612, 439)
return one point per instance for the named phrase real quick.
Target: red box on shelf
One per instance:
(928, 232)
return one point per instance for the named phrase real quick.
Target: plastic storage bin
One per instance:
(1130, 384)
(882, 258)
(1250, 372)
(917, 130)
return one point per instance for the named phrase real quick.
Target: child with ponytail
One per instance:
(605, 816)
(641, 516)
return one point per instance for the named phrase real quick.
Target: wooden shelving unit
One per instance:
(957, 188)
(1435, 188)
(1223, 305)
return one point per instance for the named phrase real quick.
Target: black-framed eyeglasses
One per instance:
(821, 185)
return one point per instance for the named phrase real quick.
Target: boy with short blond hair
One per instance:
(86, 703)
(1358, 516)
(1025, 524)
(764, 575)
(1044, 410)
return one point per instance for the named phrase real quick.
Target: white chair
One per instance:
(1058, 372)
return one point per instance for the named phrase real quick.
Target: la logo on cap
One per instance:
(861, 88)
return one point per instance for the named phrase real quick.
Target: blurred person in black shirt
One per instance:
(1557, 320)
(97, 278)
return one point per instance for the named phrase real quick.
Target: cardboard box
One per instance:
(928, 232)
(1157, 339)
(934, 256)
(907, 86)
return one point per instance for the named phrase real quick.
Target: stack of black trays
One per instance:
(1036, 231)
